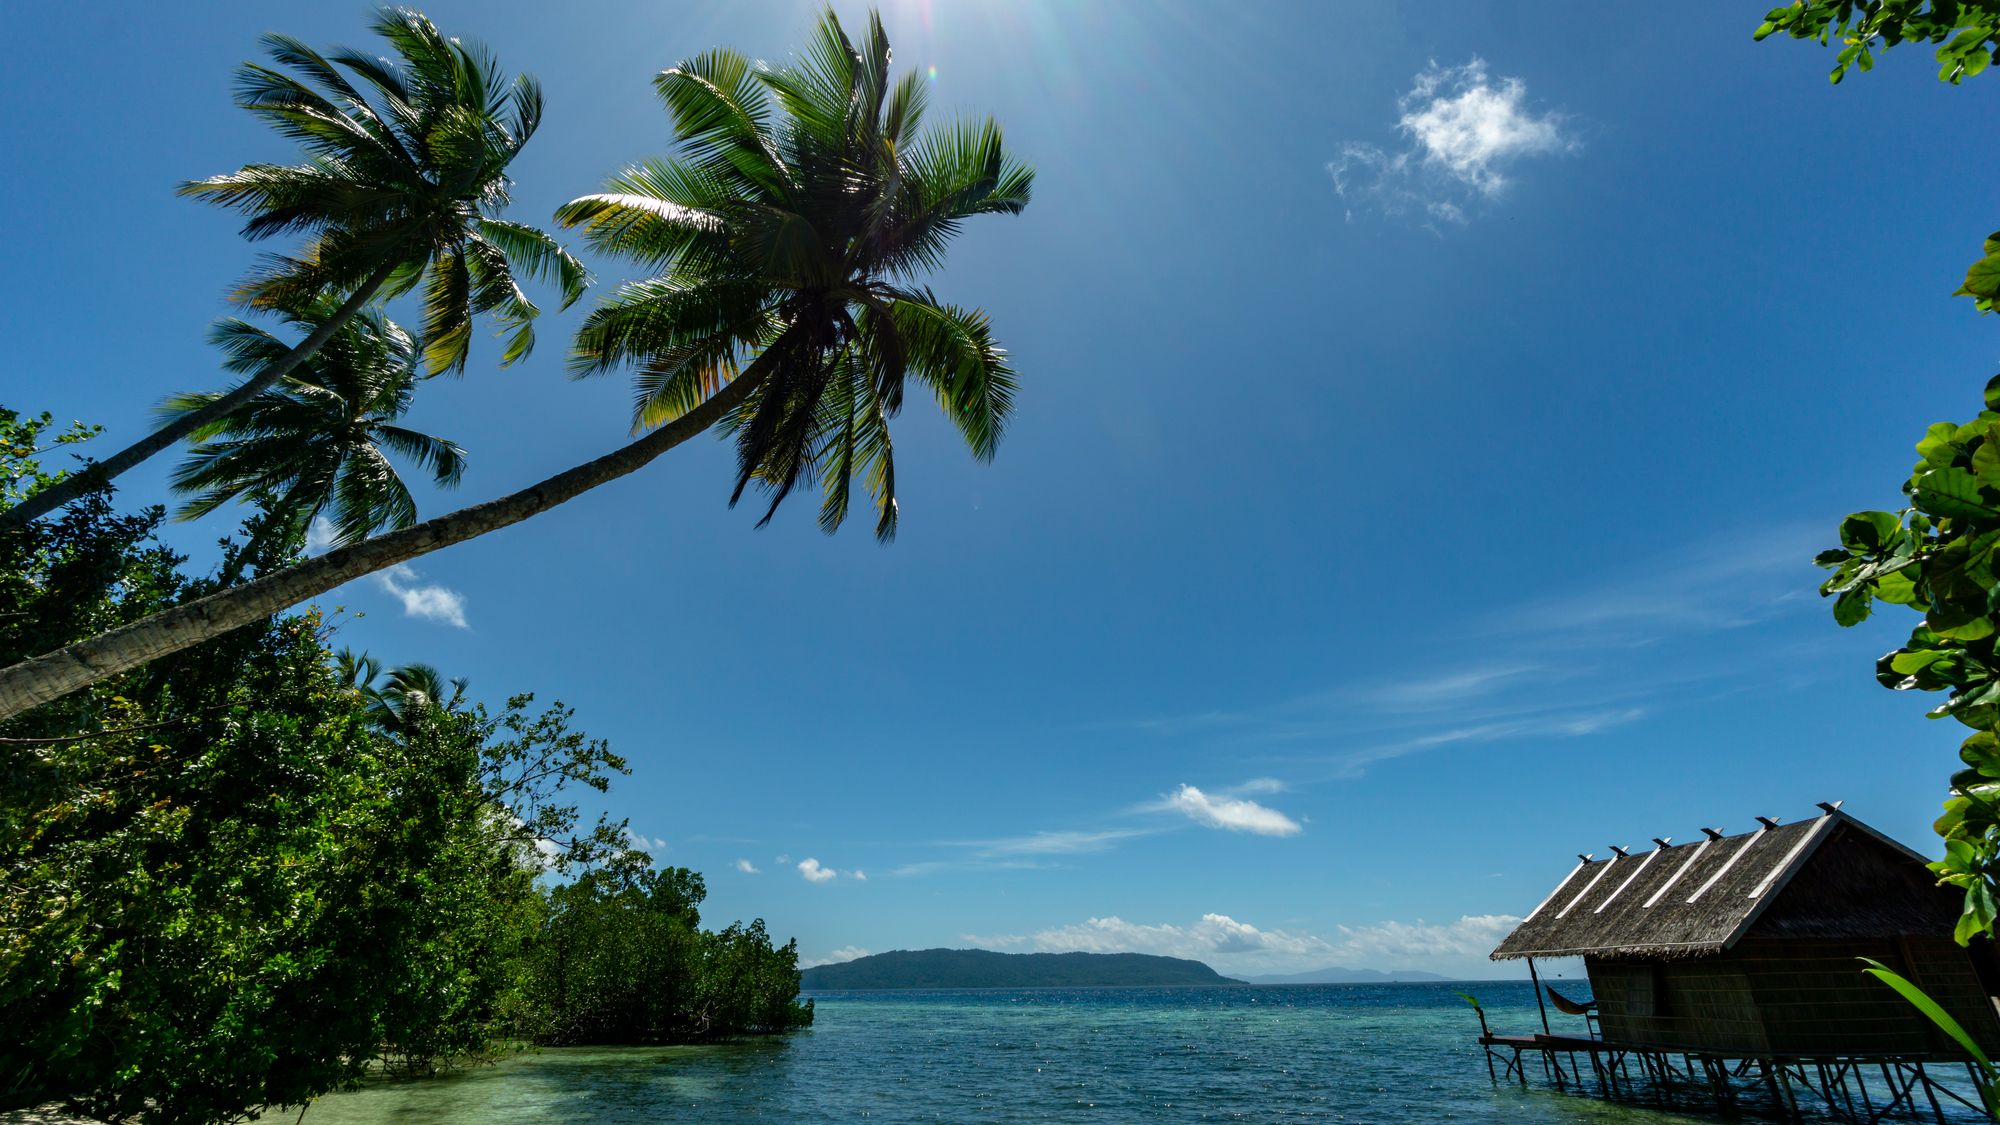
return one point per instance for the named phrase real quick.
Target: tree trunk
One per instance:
(95, 476)
(32, 683)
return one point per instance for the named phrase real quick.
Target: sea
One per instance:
(1384, 1053)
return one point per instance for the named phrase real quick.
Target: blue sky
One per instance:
(1425, 429)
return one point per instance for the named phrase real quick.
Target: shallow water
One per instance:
(1350, 1053)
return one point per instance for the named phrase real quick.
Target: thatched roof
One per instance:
(1829, 877)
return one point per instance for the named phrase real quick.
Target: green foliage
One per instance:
(619, 957)
(1988, 1075)
(1967, 31)
(1941, 558)
(23, 443)
(245, 874)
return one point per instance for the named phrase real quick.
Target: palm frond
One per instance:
(954, 351)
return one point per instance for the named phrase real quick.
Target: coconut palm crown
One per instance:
(794, 227)
(405, 179)
(397, 192)
(320, 441)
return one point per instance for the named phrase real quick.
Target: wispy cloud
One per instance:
(1596, 657)
(428, 601)
(1233, 814)
(992, 941)
(1463, 129)
(746, 867)
(1051, 843)
(969, 863)
(815, 872)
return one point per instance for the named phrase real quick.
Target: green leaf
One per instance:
(1938, 445)
(1865, 532)
(1896, 588)
(1953, 493)
(1965, 700)
(1852, 607)
(1906, 661)
(1937, 1015)
(1982, 279)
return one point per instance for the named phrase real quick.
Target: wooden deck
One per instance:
(1859, 1087)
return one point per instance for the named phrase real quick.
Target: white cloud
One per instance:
(1464, 128)
(846, 953)
(319, 535)
(859, 874)
(1234, 814)
(746, 867)
(992, 941)
(1231, 946)
(815, 873)
(1419, 944)
(430, 602)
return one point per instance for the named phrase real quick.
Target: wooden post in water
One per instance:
(1544, 1008)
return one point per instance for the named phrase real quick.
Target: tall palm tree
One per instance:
(318, 442)
(788, 241)
(404, 180)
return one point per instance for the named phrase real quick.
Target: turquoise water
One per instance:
(1348, 1053)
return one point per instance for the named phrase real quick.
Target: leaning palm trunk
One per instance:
(96, 476)
(32, 683)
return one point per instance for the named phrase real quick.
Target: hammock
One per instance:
(1570, 1007)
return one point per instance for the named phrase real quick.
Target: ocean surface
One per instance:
(1348, 1053)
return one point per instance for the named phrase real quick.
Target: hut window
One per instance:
(1656, 983)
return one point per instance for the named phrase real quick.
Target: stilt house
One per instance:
(1746, 945)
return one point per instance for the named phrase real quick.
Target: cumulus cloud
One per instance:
(1216, 938)
(746, 867)
(1234, 946)
(846, 953)
(1403, 945)
(857, 873)
(637, 839)
(1464, 129)
(1234, 814)
(427, 601)
(815, 873)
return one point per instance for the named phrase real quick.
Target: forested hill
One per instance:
(981, 968)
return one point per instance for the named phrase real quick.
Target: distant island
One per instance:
(981, 968)
(1337, 975)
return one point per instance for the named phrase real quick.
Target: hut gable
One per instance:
(1828, 877)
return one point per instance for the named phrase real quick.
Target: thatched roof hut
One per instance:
(1748, 943)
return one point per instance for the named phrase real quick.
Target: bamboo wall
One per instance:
(1792, 997)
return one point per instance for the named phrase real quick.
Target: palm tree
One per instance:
(785, 307)
(401, 191)
(319, 441)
